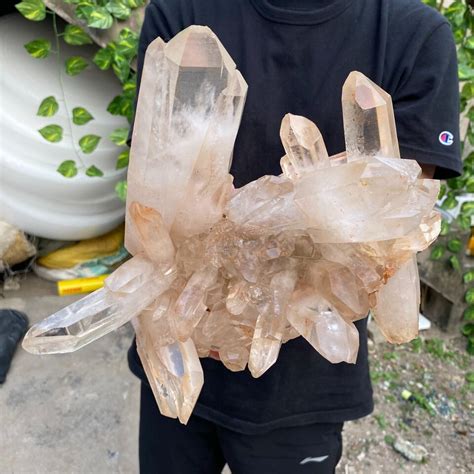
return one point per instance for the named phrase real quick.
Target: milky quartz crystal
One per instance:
(238, 272)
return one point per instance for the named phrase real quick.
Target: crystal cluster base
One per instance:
(238, 272)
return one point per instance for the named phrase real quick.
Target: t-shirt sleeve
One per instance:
(426, 106)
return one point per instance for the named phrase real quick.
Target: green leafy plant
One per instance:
(460, 15)
(76, 36)
(48, 107)
(122, 161)
(94, 171)
(52, 133)
(80, 116)
(118, 55)
(121, 189)
(75, 65)
(88, 143)
(39, 48)
(68, 168)
(34, 10)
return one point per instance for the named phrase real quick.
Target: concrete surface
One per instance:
(69, 413)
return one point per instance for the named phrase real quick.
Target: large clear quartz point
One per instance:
(369, 121)
(188, 119)
(134, 287)
(323, 327)
(304, 146)
(270, 324)
(173, 371)
(398, 304)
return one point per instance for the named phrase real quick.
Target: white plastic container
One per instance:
(33, 195)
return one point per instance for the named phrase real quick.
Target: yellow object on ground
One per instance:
(80, 285)
(470, 245)
(89, 249)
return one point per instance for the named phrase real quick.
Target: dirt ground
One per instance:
(421, 395)
(79, 412)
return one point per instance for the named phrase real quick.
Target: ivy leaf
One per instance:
(67, 168)
(456, 183)
(118, 9)
(469, 296)
(128, 34)
(88, 143)
(52, 133)
(468, 91)
(75, 65)
(458, 35)
(437, 252)
(39, 48)
(449, 203)
(467, 208)
(76, 36)
(103, 58)
(121, 105)
(468, 277)
(83, 10)
(468, 329)
(94, 171)
(94, 16)
(119, 136)
(454, 261)
(469, 161)
(454, 245)
(115, 105)
(465, 72)
(48, 107)
(445, 227)
(135, 3)
(130, 85)
(455, 13)
(81, 116)
(470, 114)
(34, 10)
(464, 222)
(470, 185)
(121, 67)
(122, 160)
(469, 44)
(121, 190)
(127, 45)
(470, 345)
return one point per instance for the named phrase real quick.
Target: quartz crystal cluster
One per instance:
(239, 272)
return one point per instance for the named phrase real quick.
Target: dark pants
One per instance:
(202, 447)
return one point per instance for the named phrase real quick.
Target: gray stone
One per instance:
(410, 451)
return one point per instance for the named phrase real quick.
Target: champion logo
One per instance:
(446, 138)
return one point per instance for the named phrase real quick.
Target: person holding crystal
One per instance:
(295, 56)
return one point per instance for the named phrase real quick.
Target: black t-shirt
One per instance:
(295, 56)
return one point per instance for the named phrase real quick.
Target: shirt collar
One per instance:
(323, 10)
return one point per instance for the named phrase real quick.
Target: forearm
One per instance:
(427, 171)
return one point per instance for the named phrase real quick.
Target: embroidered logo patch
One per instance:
(446, 138)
